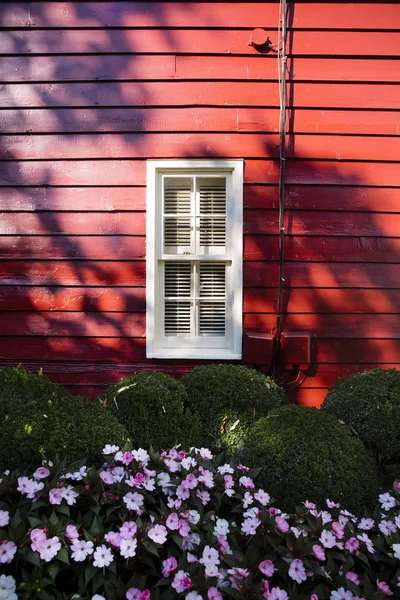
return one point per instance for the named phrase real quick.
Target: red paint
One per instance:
(92, 90)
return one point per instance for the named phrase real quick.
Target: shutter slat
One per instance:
(177, 312)
(212, 313)
(211, 318)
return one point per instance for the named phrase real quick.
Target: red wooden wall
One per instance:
(92, 89)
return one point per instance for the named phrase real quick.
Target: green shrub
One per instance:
(305, 453)
(370, 403)
(152, 408)
(227, 400)
(41, 418)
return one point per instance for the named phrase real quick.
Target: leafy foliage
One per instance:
(228, 399)
(306, 453)
(41, 418)
(370, 403)
(152, 408)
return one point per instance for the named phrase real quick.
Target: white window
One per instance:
(194, 259)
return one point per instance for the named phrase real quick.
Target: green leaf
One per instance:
(63, 509)
(32, 557)
(90, 572)
(53, 569)
(53, 520)
(63, 556)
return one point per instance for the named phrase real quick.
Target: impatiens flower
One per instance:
(128, 530)
(71, 533)
(136, 594)
(29, 487)
(327, 539)
(250, 525)
(191, 481)
(183, 491)
(351, 576)
(396, 549)
(172, 522)
(386, 501)
(365, 539)
(193, 596)
(205, 453)
(50, 548)
(243, 468)
(229, 481)
(134, 501)
(387, 527)
(4, 518)
(188, 462)
(81, 549)
(181, 582)
(325, 516)
(107, 477)
(281, 524)
(221, 527)
(7, 552)
(128, 547)
(127, 458)
(298, 532)
(238, 573)
(103, 557)
(113, 538)
(277, 594)
(210, 555)
(69, 495)
(383, 588)
(7, 588)
(184, 528)
(331, 504)
(109, 449)
(267, 568)
(262, 497)
(297, 571)
(247, 482)
(309, 505)
(223, 544)
(38, 538)
(204, 497)
(77, 475)
(158, 534)
(214, 594)
(55, 496)
(98, 597)
(341, 594)
(169, 565)
(338, 529)
(319, 552)
(41, 473)
(352, 545)
(141, 456)
(366, 524)
(193, 516)
(207, 478)
(226, 468)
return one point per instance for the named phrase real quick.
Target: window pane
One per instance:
(177, 318)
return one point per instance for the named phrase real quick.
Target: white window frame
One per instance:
(193, 348)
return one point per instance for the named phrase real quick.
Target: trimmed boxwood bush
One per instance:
(370, 403)
(152, 408)
(41, 418)
(305, 453)
(228, 399)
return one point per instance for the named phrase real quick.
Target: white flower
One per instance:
(141, 456)
(205, 453)
(247, 500)
(4, 518)
(188, 462)
(221, 527)
(193, 596)
(98, 597)
(387, 527)
(207, 478)
(7, 587)
(128, 547)
(341, 594)
(134, 501)
(81, 549)
(7, 552)
(210, 556)
(49, 548)
(69, 495)
(262, 497)
(102, 556)
(109, 449)
(387, 501)
(396, 548)
(366, 524)
(297, 571)
(250, 525)
(158, 534)
(364, 538)
(226, 468)
(327, 539)
(246, 482)
(194, 517)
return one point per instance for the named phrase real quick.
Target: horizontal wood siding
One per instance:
(91, 90)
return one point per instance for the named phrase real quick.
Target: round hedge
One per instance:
(41, 418)
(227, 400)
(306, 454)
(152, 408)
(370, 403)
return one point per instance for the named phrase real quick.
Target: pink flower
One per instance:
(71, 533)
(327, 539)
(181, 582)
(113, 538)
(297, 571)
(250, 525)
(172, 522)
(49, 549)
(331, 504)
(281, 524)
(81, 549)
(107, 477)
(134, 501)
(277, 594)
(319, 552)
(265, 584)
(7, 552)
(41, 473)
(229, 482)
(338, 529)
(238, 573)
(224, 545)
(4, 518)
(69, 495)
(313, 597)
(136, 594)
(214, 594)
(368, 543)
(247, 482)
(366, 524)
(204, 497)
(127, 458)
(341, 594)
(191, 481)
(262, 497)
(267, 568)
(387, 501)
(169, 565)
(351, 576)
(128, 529)
(383, 588)
(55, 496)
(243, 468)
(38, 538)
(158, 534)
(352, 545)
(184, 528)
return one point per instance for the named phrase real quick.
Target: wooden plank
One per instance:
(322, 300)
(327, 274)
(72, 348)
(299, 222)
(64, 324)
(144, 67)
(73, 173)
(72, 199)
(323, 248)
(51, 273)
(183, 93)
(195, 41)
(200, 119)
(73, 247)
(323, 198)
(327, 326)
(328, 374)
(307, 397)
(176, 145)
(59, 298)
(75, 223)
(347, 350)
(306, 15)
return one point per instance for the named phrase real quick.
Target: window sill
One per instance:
(203, 354)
